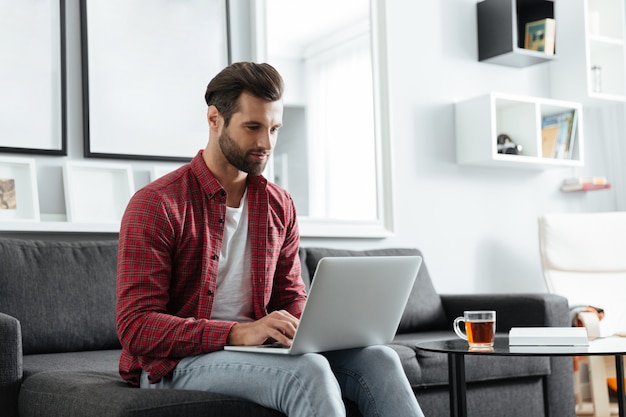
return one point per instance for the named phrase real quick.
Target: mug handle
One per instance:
(457, 329)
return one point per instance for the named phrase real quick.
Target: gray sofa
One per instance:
(59, 351)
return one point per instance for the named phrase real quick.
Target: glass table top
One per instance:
(613, 345)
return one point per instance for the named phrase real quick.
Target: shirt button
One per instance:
(210, 292)
(216, 257)
(223, 193)
(221, 221)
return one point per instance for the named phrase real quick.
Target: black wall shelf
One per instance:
(501, 26)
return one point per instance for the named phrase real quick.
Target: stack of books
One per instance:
(585, 184)
(558, 134)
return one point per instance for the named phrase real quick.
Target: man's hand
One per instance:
(278, 325)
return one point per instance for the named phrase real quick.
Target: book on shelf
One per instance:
(548, 336)
(558, 134)
(549, 135)
(582, 180)
(569, 150)
(585, 184)
(540, 36)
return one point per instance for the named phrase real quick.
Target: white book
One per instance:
(548, 336)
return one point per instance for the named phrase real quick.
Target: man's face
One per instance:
(250, 137)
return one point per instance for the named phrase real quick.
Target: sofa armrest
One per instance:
(540, 309)
(10, 364)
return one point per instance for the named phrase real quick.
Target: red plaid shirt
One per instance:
(169, 246)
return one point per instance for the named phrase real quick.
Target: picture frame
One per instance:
(97, 192)
(149, 105)
(33, 77)
(19, 196)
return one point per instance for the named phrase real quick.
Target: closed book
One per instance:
(549, 136)
(556, 132)
(572, 135)
(587, 186)
(548, 336)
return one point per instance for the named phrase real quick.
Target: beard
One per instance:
(238, 158)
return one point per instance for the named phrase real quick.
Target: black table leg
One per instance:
(619, 373)
(456, 379)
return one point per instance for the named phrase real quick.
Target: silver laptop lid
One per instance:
(355, 302)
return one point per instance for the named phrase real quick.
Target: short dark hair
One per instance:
(260, 80)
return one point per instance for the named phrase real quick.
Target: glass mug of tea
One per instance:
(480, 328)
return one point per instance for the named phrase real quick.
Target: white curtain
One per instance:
(342, 145)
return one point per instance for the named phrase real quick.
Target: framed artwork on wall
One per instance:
(19, 198)
(97, 192)
(32, 77)
(145, 66)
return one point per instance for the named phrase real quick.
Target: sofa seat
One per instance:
(104, 394)
(429, 369)
(88, 384)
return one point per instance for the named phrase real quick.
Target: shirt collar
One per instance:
(211, 185)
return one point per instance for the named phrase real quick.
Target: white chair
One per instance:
(583, 257)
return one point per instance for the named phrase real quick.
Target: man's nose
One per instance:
(266, 140)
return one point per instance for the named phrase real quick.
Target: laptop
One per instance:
(353, 302)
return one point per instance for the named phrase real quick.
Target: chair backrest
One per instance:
(583, 257)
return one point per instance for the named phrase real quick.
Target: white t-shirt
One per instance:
(233, 295)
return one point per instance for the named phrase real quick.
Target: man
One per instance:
(208, 256)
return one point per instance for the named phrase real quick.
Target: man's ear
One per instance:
(213, 117)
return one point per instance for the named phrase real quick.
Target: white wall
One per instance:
(477, 227)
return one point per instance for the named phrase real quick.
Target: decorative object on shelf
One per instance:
(585, 184)
(507, 146)
(558, 133)
(19, 197)
(97, 193)
(540, 36)
(145, 105)
(32, 77)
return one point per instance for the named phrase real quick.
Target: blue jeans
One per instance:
(305, 385)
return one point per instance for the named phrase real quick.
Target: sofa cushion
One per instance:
(63, 293)
(105, 394)
(90, 361)
(88, 384)
(424, 310)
